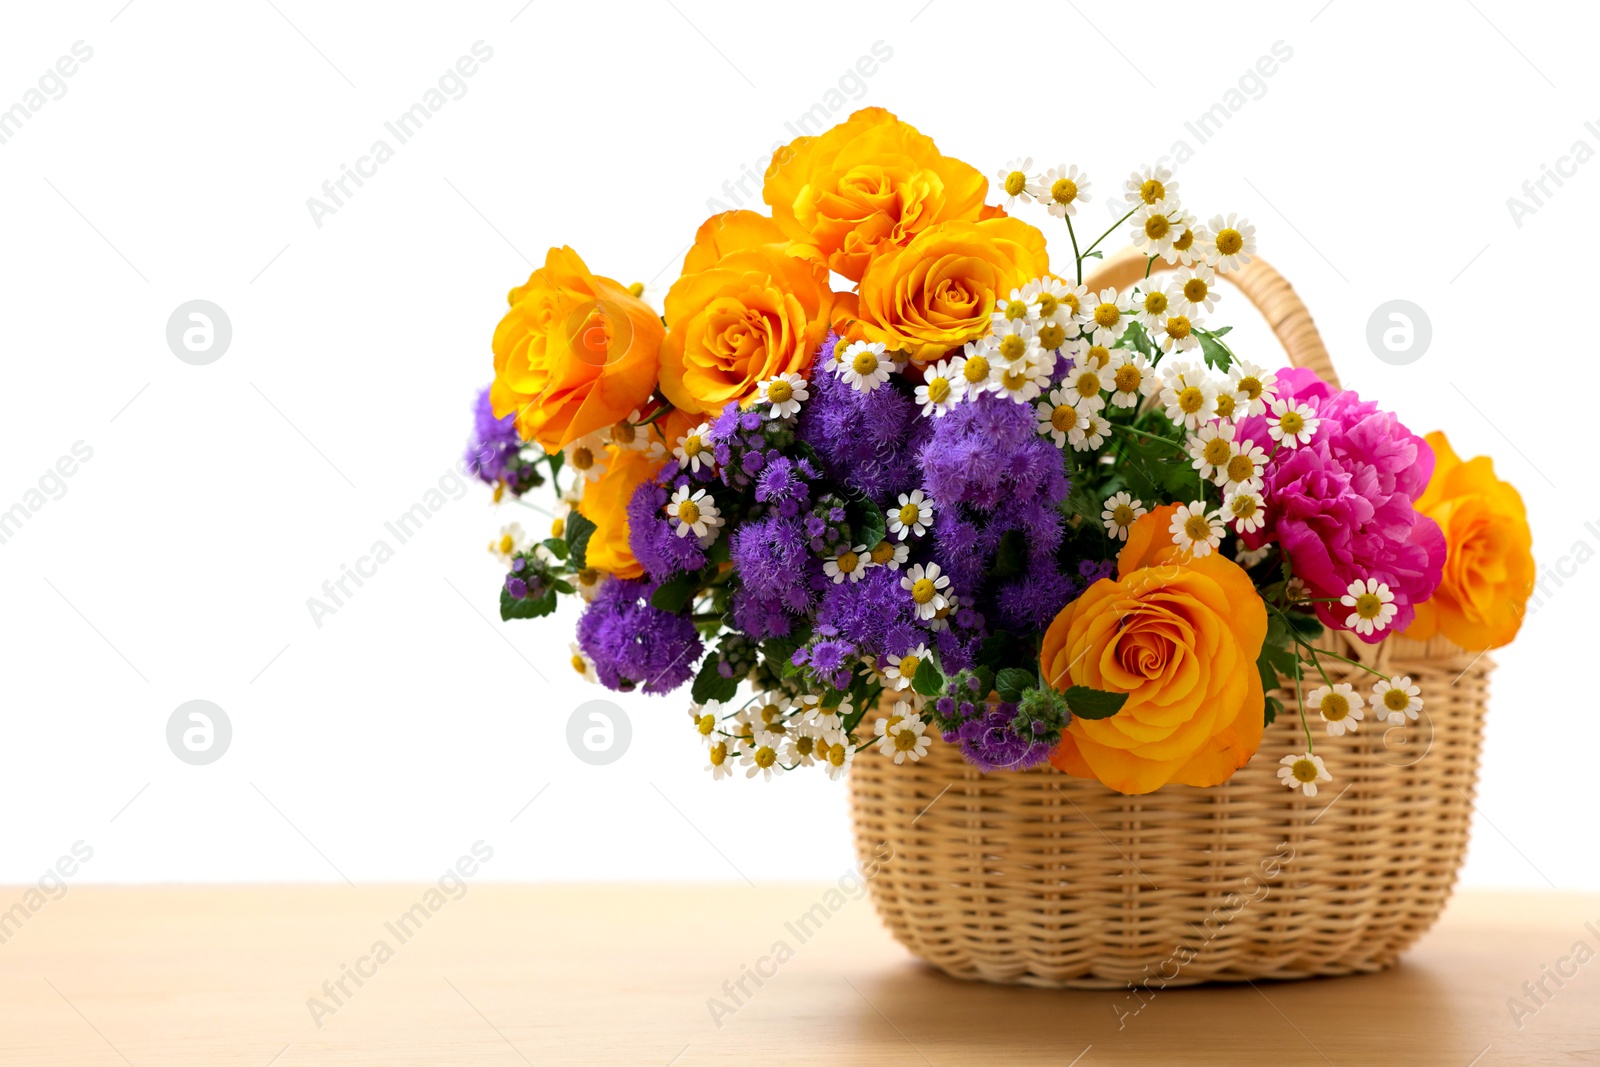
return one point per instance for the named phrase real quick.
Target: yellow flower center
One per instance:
(905, 740)
(1197, 527)
(1013, 346)
(558, 528)
(1184, 241)
(1107, 315)
(1291, 423)
(909, 514)
(1229, 241)
(1016, 181)
(882, 552)
(1128, 378)
(507, 543)
(1368, 606)
(1014, 379)
(1152, 192)
(719, 753)
(1191, 400)
(636, 288)
(804, 745)
(975, 370)
(938, 390)
(582, 458)
(1063, 418)
(1216, 451)
(693, 446)
(1100, 354)
(865, 363)
(1064, 191)
(1195, 290)
(1396, 699)
(624, 433)
(1250, 386)
(770, 713)
(1156, 227)
(705, 724)
(1335, 707)
(581, 666)
(1088, 384)
(688, 512)
(922, 590)
(588, 576)
(1122, 515)
(1225, 405)
(836, 755)
(1178, 327)
(1155, 303)
(1304, 770)
(848, 561)
(1048, 304)
(1244, 507)
(1016, 309)
(1052, 336)
(1241, 468)
(765, 757)
(908, 666)
(1071, 300)
(779, 391)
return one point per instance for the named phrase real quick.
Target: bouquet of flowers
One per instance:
(969, 496)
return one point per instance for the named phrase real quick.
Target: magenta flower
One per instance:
(1341, 507)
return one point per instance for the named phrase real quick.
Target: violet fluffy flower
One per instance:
(494, 454)
(633, 644)
(651, 537)
(874, 614)
(1342, 506)
(867, 441)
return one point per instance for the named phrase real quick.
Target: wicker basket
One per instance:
(1043, 879)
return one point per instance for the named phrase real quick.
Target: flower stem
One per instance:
(1075, 256)
(1103, 236)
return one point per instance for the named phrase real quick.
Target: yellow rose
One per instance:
(869, 181)
(576, 352)
(605, 503)
(1180, 636)
(743, 310)
(939, 291)
(1489, 572)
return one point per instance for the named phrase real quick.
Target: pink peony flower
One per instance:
(1341, 507)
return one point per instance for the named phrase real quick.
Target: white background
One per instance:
(1376, 162)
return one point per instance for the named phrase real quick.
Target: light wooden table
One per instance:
(623, 975)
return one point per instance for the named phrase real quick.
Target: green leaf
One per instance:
(718, 552)
(1011, 558)
(1089, 703)
(1216, 353)
(556, 459)
(579, 530)
(1222, 331)
(1274, 706)
(561, 585)
(527, 607)
(873, 527)
(556, 546)
(1307, 626)
(675, 595)
(929, 679)
(710, 685)
(1138, 338)
(1012, 681)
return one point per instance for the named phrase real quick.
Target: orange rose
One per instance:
(605, 503)
(743, 310)
(871, 180)
(1489, 573)
(1180, 636)
(938, 292)
(576, 352)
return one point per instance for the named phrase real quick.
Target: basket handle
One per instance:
(1264, 287)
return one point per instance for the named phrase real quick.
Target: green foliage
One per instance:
(710, 685)
(1212, 348)
(873, 528)
(556, 547)
(929, 679)
(527, 607)
(675, 595)
(1012, 682)
(579, 530)
(1274, 706)
(1011, 558)
(1089, 703)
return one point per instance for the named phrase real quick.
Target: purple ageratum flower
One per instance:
(651, 537)
(633, 644)
(782, 484)
(987, 452)
(867, 441)
(990, 740)
(828, 656)
(760, 619)
(494, 454)
(874, 614)
(771, 559)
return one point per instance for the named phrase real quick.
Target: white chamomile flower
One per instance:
(1090, 433)
(1186, 244)
(902, 669)
(1189, 396)
(1339, 705)
(1211, 448)
(1109, 314)
(1132, 378)
(1056, 309)
(913, 516)
(510, 541)
(580, 663)
(864, 366)
(1059, 415)
(693, 449)
(838, 757)
(1150, 186)
(1014, 308)
(1194, 291)
(973, 373)
(1293, 424)
(926, 586)
(1254, 387)
(1245, 508)
(902, 736)
(1026, 378)
(1371, 605)
(891, 554)
(721, 756)
(1229, 242)
(629, 434)
(851, 563)
(1151, 308)
(1176, 333)
(587, 457)
(819, 717)
(941, 618)
(785, 393)
(1014, 179)
(1196, 531)
(1012, 340)
(1121, 511)
(1063, 188)
(1249, 557)
(697, 513)
(938, 392)
(589, 582)
(762, 758)
(1151, 230)
(1398, 698)
(1303, 773)
(1244, 466)
(707, 720)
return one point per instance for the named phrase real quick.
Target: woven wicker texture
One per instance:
(1040, 878)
